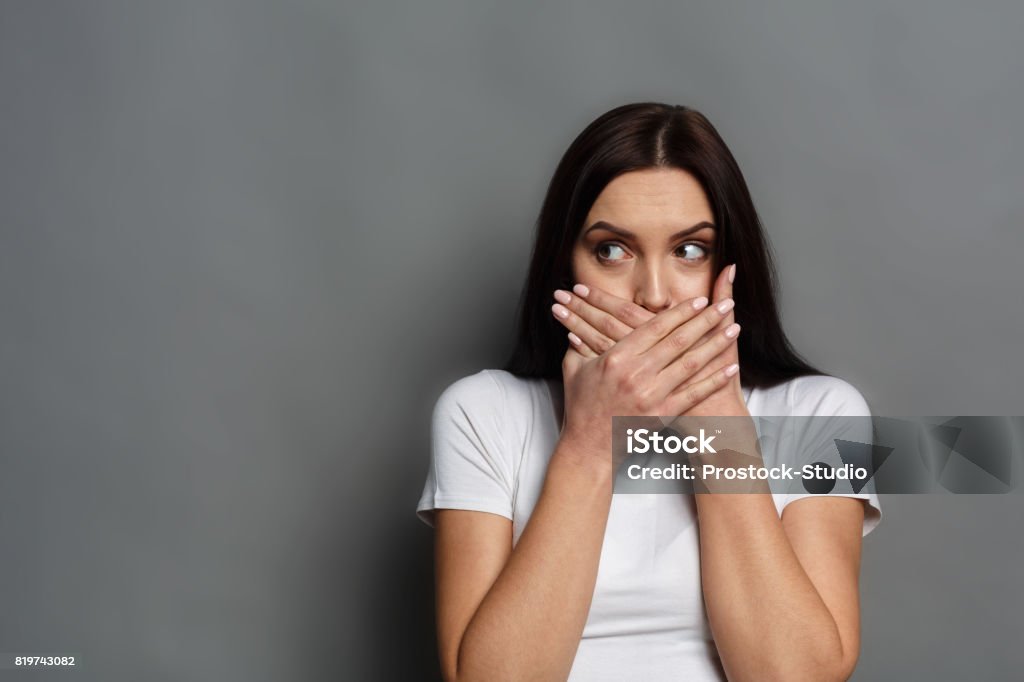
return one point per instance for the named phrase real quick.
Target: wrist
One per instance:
(720, 406)
(587, 457)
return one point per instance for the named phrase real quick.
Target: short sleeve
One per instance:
(469, 463)
(833, 397)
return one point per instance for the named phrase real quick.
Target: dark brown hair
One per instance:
(636, 137)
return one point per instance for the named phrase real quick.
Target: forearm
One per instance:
(767, 618)
(529, 624)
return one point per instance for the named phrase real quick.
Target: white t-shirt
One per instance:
(493, 434)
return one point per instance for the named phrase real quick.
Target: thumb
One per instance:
(571, 363)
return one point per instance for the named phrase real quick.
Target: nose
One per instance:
(652, 288)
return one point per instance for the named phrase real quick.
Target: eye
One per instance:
(607, 250)
(701, 251)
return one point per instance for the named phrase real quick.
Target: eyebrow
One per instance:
(603, 225)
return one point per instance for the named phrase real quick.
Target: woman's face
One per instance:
(648, 238)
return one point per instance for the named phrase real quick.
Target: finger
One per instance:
(626, 313)
(685, 336)
(718, 362)
(597, 341)
(724, 285)
(654, 330)
(717, 329)
(690, 363)
(722, 290)
(683, 399)
(581, 348)
(600, 321)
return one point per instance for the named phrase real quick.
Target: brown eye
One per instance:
(608, 251)
(697, 252)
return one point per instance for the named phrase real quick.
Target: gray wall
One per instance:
(244, 245)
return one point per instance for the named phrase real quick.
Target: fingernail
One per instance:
(562, 296)
(581, 289)
(699, 303)
(731, 369)
(560, 310)
(732, 273)
(732, 330)
(726, 305)
(575, 339)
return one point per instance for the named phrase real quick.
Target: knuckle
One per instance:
(606, 326)
(629, 315)
(611, 361)
(690, 364)
(625, 384)
(680, 341)
(658, 326)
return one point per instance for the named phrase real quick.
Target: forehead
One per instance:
(652, 198)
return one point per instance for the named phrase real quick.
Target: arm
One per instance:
(511, 614)
(782, 594)
(519, 614)
(516, 614)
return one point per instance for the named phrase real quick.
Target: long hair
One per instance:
(637, 137)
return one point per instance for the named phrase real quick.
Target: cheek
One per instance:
(682, 285)
(691, 287)
(613, 280)
(700, 285)
(582, 268)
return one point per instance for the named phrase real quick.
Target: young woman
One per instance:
(543, 573)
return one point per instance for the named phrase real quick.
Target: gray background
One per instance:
(244, 245)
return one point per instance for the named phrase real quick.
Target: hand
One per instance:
(597, 320)
(649, 371)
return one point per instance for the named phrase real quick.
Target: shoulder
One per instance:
(475, 388)
(486, 415)
(487, 392)
(818, 394)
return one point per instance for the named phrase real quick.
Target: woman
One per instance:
(543, 573)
